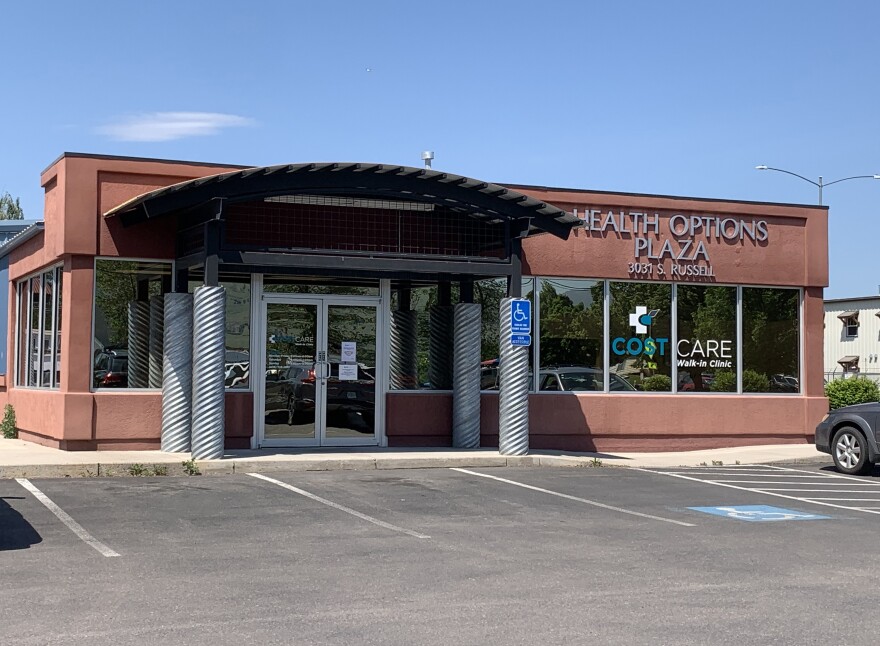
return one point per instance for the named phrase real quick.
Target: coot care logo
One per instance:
(641, 321)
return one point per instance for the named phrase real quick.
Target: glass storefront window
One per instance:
(39, 330)
(281, 284)
(771, 340)
(488, 293)
(706, 350)
(421, 301)
(238, 330)
(639, 346)
(571, 316)
(119, 283)
(238, 325)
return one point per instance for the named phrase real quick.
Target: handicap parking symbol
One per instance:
(758, 513)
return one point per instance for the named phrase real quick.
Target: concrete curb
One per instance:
(346, 463)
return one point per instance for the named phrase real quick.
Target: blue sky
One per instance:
(681, 98)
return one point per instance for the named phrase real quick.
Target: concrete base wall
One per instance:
(606, 423)
(112, 421)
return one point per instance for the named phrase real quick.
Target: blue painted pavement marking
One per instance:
(758, 513)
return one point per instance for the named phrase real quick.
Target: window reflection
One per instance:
(238, 325)
(706, 351)
(771, 340)
(571, 317)
(123, 290)
(640, 343)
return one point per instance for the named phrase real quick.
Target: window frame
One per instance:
(119, 391)
(674, 339)
(56, 269)
(849, 324)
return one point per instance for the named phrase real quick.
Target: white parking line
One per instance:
(575, 498)
(796, 482)
(811, 490)
(65, 518)
(761, 491)
(347, 510)
(724, 470)
(848, 499)
(775, 474)
(831, 475)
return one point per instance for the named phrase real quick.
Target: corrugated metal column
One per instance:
(466, 335)
(513, 373)
(403, 344)
(177, 373)
(157, 334)
(209, 384)
(440, 339)
(439, 347)
(513, 390)
(209, 353)
(138, 344)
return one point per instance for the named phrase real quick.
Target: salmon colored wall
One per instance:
(112, 420)
(78, 190)
(637, 422)
(814, 344)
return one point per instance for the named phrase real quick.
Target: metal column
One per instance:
(138, 344)
(513, 396)
(403, 350)
(177, 373)
(157, 327)
(209, 361)
(440, 348)
(466, 376)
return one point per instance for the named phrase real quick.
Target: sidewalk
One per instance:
(19, 459)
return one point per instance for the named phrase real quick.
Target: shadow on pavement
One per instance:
(15, 532)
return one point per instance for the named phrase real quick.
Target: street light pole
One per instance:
(820, 184)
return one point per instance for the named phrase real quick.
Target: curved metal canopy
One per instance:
(471, 196)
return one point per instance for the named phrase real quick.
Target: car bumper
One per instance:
(823, 436)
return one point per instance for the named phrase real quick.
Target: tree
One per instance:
(10, 208)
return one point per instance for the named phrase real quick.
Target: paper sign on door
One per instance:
(349, 352)
(348, 371)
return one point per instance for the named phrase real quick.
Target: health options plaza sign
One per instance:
(675, 246)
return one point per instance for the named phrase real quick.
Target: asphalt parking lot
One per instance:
(439, 556)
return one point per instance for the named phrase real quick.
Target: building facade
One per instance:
(852, 337)
(660, 323)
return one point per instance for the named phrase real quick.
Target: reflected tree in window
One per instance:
(771, 339)
(707, 314)
(638, 367)
(571, 323)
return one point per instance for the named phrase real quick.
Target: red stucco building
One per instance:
(660, 322)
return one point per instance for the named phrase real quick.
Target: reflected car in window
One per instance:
(351, 403)
(783, 384)
(580, 379)
(282, 383)
(111, 368)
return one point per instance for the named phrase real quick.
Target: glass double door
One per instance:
(319, 381)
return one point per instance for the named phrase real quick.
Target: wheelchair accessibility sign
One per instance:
(521, 316)
(758, 513)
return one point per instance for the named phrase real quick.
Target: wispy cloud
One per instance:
(167, 126)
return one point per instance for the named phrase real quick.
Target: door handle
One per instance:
(323, 375)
